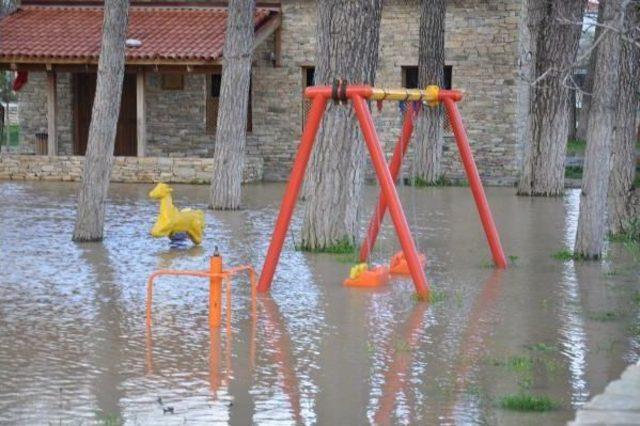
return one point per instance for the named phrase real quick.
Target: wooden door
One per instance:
(126, 136)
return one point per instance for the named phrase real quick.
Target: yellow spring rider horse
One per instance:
(172, 221)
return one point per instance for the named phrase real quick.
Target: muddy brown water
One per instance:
(74, 348)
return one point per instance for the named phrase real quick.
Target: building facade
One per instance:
(180, 102)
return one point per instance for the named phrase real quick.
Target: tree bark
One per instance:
(98, 159)
(7, 7)
(623, 156)
(429, 139)
(587, 90)
(231, 133)
(556, 47)
(571, 121)
(593, 199)
(347, 48)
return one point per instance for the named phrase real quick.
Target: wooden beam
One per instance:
(52, 100)
(88, 68)
(141, 115)
(277, 48)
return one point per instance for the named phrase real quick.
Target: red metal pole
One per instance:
(390, 194)
(291, 193)
(475, 183)
(394, 169)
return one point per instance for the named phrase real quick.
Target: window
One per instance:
(410, 77)
(308, 78)
(213, 101)
(172, 81)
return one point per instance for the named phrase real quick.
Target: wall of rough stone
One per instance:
(481, 45)
(125, 169)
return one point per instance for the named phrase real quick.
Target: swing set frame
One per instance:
(386, 173)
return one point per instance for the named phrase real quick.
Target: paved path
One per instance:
(619, 404)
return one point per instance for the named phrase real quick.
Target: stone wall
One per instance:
(125, 169)
(481, 46)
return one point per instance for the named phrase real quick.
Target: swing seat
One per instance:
(375, 277)
(398, 264)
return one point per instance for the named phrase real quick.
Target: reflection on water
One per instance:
(74, 346)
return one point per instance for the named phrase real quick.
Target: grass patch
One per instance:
(437, 296)
(542, 347)
(634, 330)
(518, 363)
(527, 402)
(576, 147)
(344, 246)
(636, 297)
(565, 255)
(603, 316)
(573, 172)
(512, 258)
(442, 181)
(13, 132)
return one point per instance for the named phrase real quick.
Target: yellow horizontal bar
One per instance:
(429, 95)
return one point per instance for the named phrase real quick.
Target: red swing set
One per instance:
(387, 174)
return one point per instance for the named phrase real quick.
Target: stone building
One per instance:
(170, 92)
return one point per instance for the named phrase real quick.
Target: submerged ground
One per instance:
(74, 348)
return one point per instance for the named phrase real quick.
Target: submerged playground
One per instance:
(460, 305)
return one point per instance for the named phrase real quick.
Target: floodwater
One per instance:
(74, 347)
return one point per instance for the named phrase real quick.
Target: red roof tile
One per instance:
(74, 33)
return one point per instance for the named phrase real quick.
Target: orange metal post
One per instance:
(394, 169)
(291, 193)
(389, 191)
(215, 291)
(474, 182)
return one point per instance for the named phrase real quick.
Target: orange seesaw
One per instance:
(216, 276)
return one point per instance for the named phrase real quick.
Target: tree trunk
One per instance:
(7, 7)
(555, 51)
(571, 135)
(587, 89)
(593, 199)
(623, 157)
(430, 71)
(104, 121)
(347, 48)
(231, 133)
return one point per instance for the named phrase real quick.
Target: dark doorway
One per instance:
(84, 90)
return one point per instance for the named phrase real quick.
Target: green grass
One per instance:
(13, 131)
(603, 316)
(527, 402)
(442, 181)
(573, 172)
(565, 255)
(344, 246)
(542, 347)
(576, 147)
(517, 363)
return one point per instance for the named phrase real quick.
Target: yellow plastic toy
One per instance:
(358, 269)
(172, 221)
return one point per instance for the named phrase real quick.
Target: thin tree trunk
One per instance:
(7, 7)
(593, 199)
(98, 159)
(623, 158)
(429, 138)
(571, 135)
(347, 48)
(231, 134)
(556, 48)
(581, 134)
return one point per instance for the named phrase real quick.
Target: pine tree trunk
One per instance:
(7, 7)
(593, 199)
(556, 48)
(231, 133)
(428, 151)
(572, 131)
(581, 133)
(98, 159)
(623, 157)
(347, 48)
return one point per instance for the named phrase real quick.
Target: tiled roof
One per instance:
(73, 33)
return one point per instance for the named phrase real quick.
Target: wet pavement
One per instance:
(74, 347)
